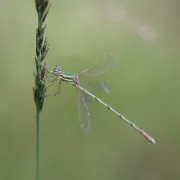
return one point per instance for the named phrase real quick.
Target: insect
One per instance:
(102, 66)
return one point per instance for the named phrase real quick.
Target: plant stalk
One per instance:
(37, 143)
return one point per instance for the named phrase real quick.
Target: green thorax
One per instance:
(67, 75)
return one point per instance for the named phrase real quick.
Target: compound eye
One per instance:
(57, 68)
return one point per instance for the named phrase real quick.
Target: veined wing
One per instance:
(84, 115)
(101, 86)
(102, 66)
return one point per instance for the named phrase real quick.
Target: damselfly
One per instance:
(102, 66)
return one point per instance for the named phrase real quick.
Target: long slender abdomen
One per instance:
(144, 134)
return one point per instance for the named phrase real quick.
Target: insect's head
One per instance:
(56, 70)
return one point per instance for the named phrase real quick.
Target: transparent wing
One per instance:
(102, 66)
(101, 86)
(84, 115)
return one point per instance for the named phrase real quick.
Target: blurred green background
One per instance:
(145, 88)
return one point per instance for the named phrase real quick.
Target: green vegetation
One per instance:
(145, 88)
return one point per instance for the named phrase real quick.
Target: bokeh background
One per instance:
(145, 88)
